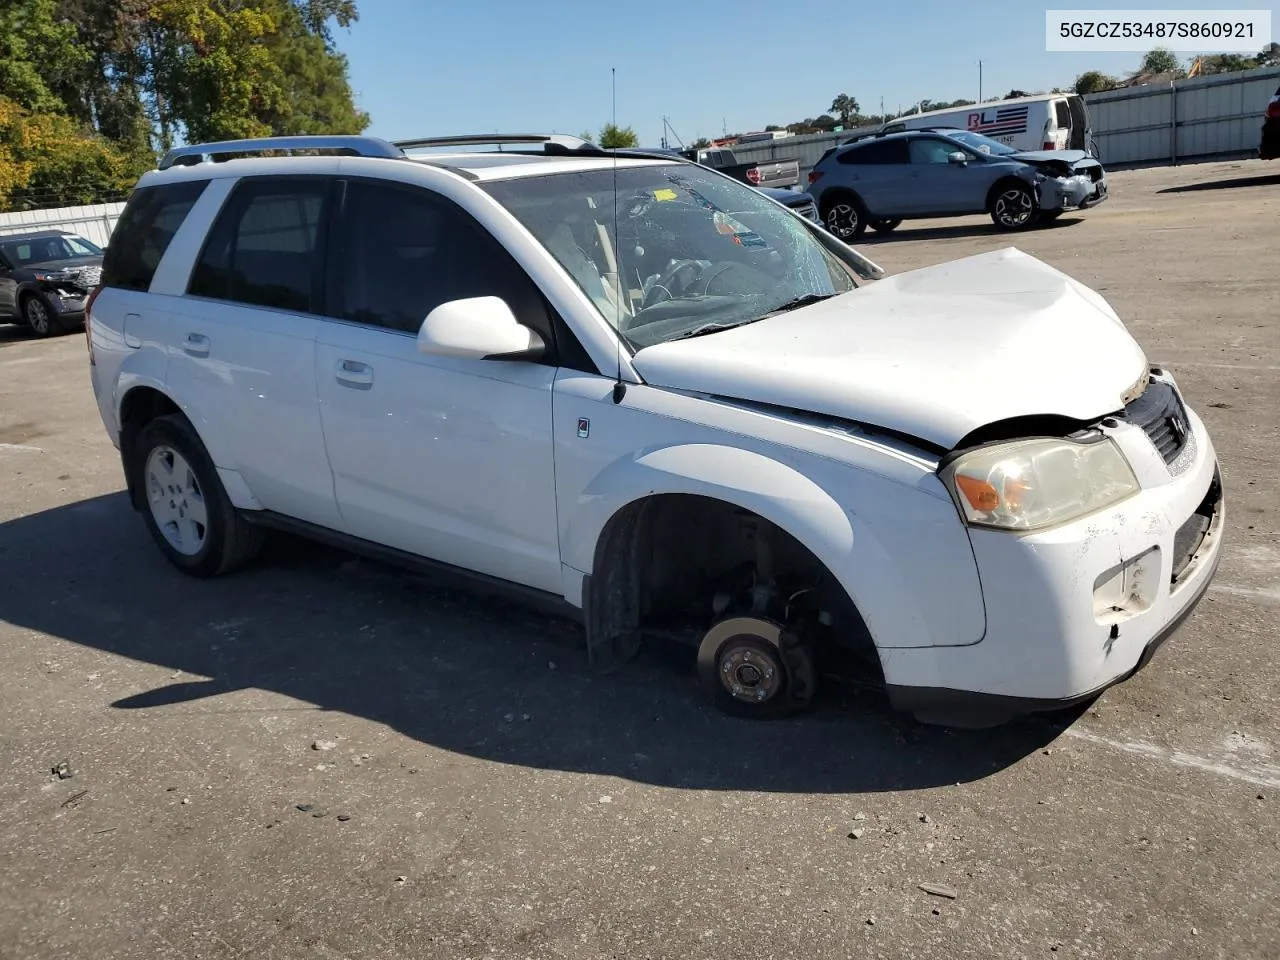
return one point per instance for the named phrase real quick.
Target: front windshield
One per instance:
(981, 143)
(48, 249)
(694, 252)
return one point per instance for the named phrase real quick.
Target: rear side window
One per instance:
(878, 151)
(142, 235)
(1062, 113)
(265, 247)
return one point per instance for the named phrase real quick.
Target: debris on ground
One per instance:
(606, 799)
(856, 834)
(859, 815)
(924, 818)
(304, 807)
(185, 801)
(871, 921)
(75, 798)
(63, 771)
(939, 890)
(402, 879)
(344, 817)
(324, 745)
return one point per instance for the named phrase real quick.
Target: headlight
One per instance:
(1031, 484)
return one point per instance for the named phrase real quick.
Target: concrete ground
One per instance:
(486, 796)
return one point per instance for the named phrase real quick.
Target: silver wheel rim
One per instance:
(37, 316)
(176, 501)
(842, 220)
(1014, 208)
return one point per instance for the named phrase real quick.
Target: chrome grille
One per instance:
(87, 277)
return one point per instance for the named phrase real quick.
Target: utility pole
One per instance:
(979, 81)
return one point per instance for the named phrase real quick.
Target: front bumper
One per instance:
(1073, 610)
(1070, 193)
(67, 304)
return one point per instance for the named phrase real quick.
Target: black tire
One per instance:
(750, 643)
(885, 226)
(228, 540)
(844, 216)
(1013, 206)
(39, 317)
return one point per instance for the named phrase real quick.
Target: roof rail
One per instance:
(205, 152)
(501, 139)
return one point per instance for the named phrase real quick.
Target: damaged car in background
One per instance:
(45, 278)
(880, 180)
(648, 395)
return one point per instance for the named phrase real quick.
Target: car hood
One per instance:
(933, 353)
(1069, 157)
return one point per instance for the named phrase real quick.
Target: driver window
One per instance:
(929, 150)
(402, 251)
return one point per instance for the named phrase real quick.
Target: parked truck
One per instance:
(765, 173)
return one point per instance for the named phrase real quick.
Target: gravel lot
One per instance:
(502, 801)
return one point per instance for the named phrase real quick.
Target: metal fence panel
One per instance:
(94, 222)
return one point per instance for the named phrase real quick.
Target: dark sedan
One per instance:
(45, 278)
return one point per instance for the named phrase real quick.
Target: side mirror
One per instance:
(959, 156)
(478, 328)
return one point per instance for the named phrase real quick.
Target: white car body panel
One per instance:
(443, 457)
(933, 353)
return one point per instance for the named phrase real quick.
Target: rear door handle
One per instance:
(353, 373)
(196, 345)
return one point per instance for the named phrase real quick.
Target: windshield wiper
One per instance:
(806, 300)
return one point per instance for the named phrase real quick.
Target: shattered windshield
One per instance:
(692, 252)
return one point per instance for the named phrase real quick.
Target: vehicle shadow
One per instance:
(979, 229)
(447, 668)
(1271, 180)
(14, 333)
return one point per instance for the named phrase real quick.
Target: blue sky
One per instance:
(425, 68)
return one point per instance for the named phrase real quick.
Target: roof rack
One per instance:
(501, 139)
(352, 145)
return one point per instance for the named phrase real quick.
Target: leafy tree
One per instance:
(613, 137)
(1226, 63)
(47, 160)
(845, 107)
(1269, 56)
(1160, 60)
(588, 136)
(1015, 93)
(700, 144)
(38, 54)
(1094, 81)
(771, 127)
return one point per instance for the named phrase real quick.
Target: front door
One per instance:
(941, 186)
(450, 459)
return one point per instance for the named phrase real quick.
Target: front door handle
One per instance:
(196, 345)
(353, 373)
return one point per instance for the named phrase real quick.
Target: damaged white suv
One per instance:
(644, 391)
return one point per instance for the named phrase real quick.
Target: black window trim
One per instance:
(234, 202)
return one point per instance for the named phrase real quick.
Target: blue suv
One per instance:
(880, 181)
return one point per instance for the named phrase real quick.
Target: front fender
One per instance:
(938, 606)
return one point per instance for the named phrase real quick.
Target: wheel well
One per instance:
(139, 407)
(1004, 182)
(835, 194)
(675, 563)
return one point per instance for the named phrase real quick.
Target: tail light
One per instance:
(753, 175)
(88, 316)
(814, 175)
(1273, 109)
(1049, 145)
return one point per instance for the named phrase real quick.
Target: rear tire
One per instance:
(845, 217)
(1013, 207)
(184, 505)
(885, 226)
(39, 316)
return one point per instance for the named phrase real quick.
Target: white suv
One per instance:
(639, 388)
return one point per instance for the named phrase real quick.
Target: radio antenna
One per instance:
(619, 387)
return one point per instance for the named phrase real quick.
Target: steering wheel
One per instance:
(679, 277)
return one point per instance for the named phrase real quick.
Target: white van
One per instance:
(1050, 121)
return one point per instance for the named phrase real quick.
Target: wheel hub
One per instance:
(749, 672)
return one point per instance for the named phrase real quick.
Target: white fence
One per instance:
(94, 222)
(1187, 120)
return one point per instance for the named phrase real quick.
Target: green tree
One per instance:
(1094, 81)
(845, 107)
(47, 160)
(700, 144)
(1160, 60)
(38, 54)
(588, 136)
(1269, 56)
(1226, 63)
(613, 137)
(1015, 94)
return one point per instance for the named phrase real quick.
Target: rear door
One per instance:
(447, 458)
(878, 171)
(243, 341)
